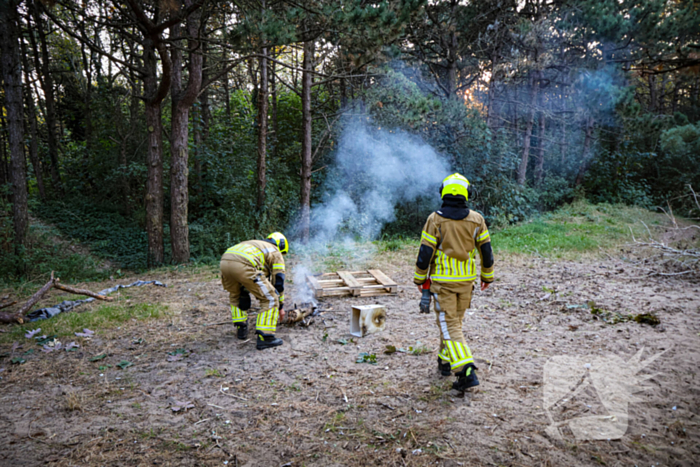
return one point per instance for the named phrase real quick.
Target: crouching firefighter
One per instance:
(251, 267)
(446, 261)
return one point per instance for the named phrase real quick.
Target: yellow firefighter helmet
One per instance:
(455, 185)
(279, 240)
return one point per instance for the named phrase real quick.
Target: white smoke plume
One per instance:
(372, 171)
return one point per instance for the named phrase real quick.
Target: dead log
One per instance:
(77, 291)
(10, 318)
(5, 305)
(36, 297)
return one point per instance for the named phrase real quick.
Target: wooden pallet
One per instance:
(354, 283)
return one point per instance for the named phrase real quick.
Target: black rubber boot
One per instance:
(242, 331)
(444, 367)
(265, 341)
(466, 378)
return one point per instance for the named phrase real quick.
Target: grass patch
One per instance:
(575, 230)
(103, 317)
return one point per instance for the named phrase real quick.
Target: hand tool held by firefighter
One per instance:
(425, 297)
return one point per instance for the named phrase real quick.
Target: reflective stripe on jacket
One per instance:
(452, 246)
(264, 256)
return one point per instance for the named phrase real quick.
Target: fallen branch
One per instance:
(8, 318)
(77, 291)
(5, 305)
(18, 316)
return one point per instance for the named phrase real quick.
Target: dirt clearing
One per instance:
(182, 390)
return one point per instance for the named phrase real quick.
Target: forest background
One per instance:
(161, 132)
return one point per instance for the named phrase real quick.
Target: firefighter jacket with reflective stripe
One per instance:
(448, 249)
(265, 257)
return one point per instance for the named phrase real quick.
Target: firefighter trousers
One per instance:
(238, 272)
(451, 302)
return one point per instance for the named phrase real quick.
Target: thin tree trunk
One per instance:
(134, 134)
(87, 101)
(263, 102)
(522, 170)
(33, 131)
(206, 123)
(306, 149)
(12, 76)
(273, 94)
(491, 115)
(182, 100)
(585, 159)
(674, 97)
(46, 81)
(227, 94)
(651, 79)
(539, 168)
(201, 129)
(563, 147)
(154, 157)
(4, 165)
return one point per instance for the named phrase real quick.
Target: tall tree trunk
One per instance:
(306, 149)
(585, 158)
(201, 129)
(4, 165)
(674, 97)
(273, 95)
(12, 76)
(32, 126)
(227, 94)
(133, 133)
(87, 100)
(46, 81)
(539, 167)
(154, 157)
(198, 146)
(261, 123)
(182, 100)
(522, 170)
(452, 53)
(563, 147)
(653, 97)
(491, 115)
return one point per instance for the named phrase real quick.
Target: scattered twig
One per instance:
(221, 390)
(222, 448)
(5, 305)
(387, 406)
(202, 421)
(673, 273)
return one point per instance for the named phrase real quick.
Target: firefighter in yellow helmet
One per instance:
(253, 267)
(446, 266)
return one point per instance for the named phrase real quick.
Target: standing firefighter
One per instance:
(446, 266)
(252, 267)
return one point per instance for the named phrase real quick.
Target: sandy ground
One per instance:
(309, 403)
